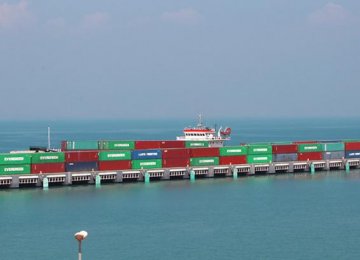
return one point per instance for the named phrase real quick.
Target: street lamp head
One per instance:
(79, 236)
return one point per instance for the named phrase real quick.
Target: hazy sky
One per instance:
(167, 58)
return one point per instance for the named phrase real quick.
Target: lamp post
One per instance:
(80, 236)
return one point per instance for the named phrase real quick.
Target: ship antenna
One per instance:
(200, 120)
(49, 143)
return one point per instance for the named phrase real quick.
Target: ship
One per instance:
(201, 152)
(200, 132)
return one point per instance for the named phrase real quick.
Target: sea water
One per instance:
(290, 216)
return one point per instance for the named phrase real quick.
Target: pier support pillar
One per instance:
(347, 167)
(312, 168)
(147, 177)
(192, 175)
(45, 183)
(97, 181)
(235, 173)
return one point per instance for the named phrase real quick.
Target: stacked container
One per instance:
(116, 145)
(79, 145)
(196, 144)
(259, 153)
(204, 156)
(232, 155)
(333, 150)
(146, 159)
(285, 152)
(310, 151)
(176, 157)
(352, 150)
(114, 160)
(81, 161)
(15, 164)
(47, 162)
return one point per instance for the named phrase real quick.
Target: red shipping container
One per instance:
(175, 162)
(176, 153)
(114, 165)
(204, 152)
(227, 160)
(284, 148)
(140, 145)
(47, 168)
(312, 156)
(305, 142)
(63, 145)
(172, 144)
(353, 146)
(81, 156)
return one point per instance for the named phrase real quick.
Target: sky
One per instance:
(126, 59)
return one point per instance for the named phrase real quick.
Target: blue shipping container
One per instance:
(285, 157)
(146, 154)
(352, 154)
(81, 166)
(333, 155)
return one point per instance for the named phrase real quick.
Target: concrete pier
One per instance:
(192, 173)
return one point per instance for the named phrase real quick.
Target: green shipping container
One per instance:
(333, 147)
(47, 158)
(195, 144)
(82, 145)
(15, 169)
(204, 161)
(117, 145)
(147, 164)
(233, 150)
(114, 155)
(260, 149)
(264, 158)
(310, 148)
(15, 158)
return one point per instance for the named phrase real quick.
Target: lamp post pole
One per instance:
(80, 236)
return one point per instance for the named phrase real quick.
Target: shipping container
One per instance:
(204, 161)
(14, 158)
(233, 150)
(333, 147)
(48, 168)
(82, 145)
(227, 160)
(176, 162)
(311, 156)
(334, 155)
(196, 144)
(141, 145)
(282, 149)
(114, 165)
(15, 169)
(352, 146)
(263, 158)
(146, 154)
(254, 149)
(114, 155)
(304, 148)
(116, 145)
(352, 154)
(285, 157)
(81, 166)
(204, 152)
(81, 156)
(176, 153)
(172, 144)
(147, 164)
(47, 158)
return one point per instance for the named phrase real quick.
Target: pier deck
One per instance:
(69, 178)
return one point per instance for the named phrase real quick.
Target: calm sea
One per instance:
(291, 216)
